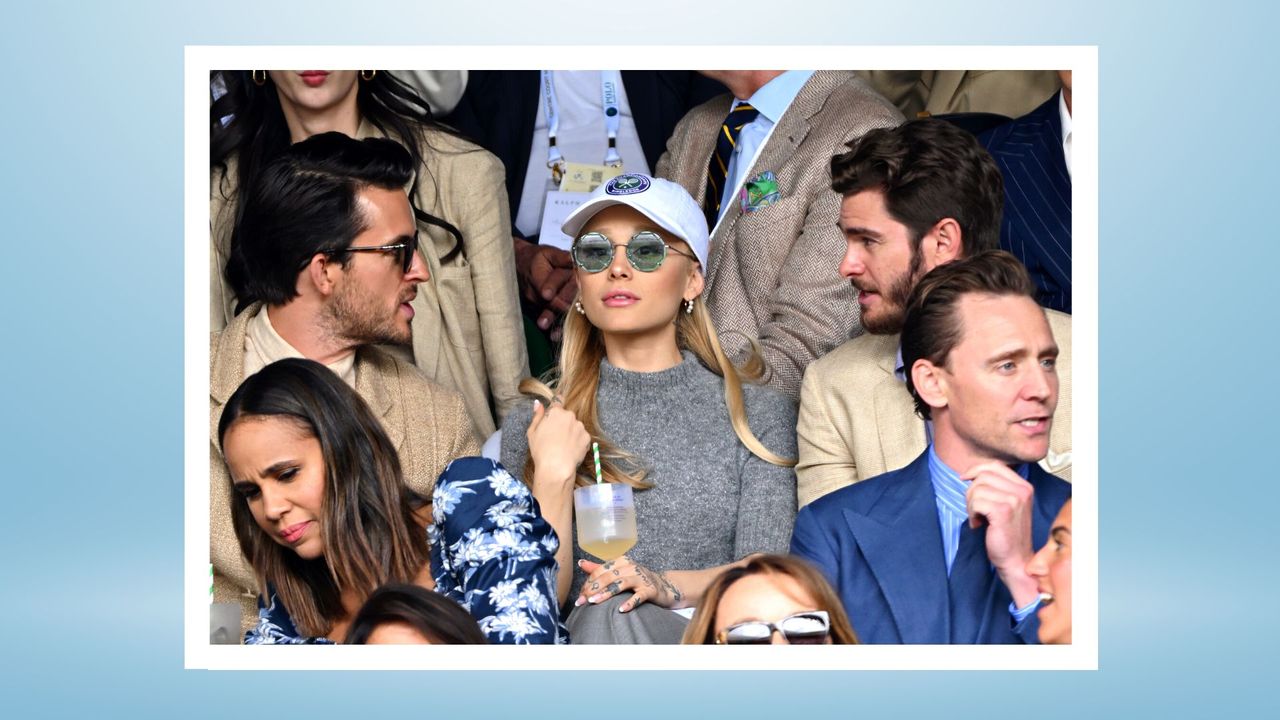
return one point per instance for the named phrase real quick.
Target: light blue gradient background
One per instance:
(91, 186)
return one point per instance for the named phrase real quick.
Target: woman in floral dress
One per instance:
(323, 515)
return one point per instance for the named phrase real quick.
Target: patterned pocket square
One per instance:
(759, 192)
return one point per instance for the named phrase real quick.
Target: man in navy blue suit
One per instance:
(1034, 155)
(936, 552)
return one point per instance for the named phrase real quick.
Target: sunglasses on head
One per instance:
(807, 628)
(404, 251)
(593, 252)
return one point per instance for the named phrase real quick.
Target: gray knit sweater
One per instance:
(712, 500)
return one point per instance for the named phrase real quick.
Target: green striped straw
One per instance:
(595, 453)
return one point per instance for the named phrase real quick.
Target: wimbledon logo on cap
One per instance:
(627, 185)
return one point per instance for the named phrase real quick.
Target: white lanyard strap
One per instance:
(610, 81)
(555, 160)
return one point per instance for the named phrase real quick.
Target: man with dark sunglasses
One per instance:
(326, 253)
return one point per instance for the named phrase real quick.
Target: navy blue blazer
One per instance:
(879, 543)
(499, 109)
(1037, 199)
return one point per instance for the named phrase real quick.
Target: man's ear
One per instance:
(930, 383)
(321, 274)
(943, 243)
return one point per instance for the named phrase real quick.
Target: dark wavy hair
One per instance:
(304, 202)
(368, 528)
(932, 326)
(928, 170)
(702, 628)
(435, 617)
(247, 123)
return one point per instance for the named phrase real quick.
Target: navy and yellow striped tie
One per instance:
(718, 169)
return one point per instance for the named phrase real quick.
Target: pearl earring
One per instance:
(688, 308)
(577, 305)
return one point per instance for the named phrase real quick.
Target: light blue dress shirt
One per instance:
(772, 101)
(949, 492)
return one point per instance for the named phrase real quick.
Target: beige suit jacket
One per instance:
(467, 329)
(773, 274)
(857, 419)
(427, 425)
(1012, 93)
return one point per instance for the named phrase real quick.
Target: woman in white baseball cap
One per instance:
(642, 371)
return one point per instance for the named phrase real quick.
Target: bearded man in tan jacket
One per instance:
(914, 197)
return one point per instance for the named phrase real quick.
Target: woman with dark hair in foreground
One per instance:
(402, 614)
(324, 517)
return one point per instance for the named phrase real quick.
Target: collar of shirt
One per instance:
(899, 371)
(1065, 115)
(773, 99)
(948, 488)
(263, 346)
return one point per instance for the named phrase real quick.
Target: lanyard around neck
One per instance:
(609, 82)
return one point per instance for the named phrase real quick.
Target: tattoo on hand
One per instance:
(613, 587)
(676, 595)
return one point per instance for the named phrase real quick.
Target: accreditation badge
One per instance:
(581, 177)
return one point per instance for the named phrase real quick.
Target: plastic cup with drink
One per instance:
(605, 514)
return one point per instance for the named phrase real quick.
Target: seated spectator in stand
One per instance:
(326, 251)
(400, 614)
(1034, 154)
(920, 93)
(915, 197)
(643, 374)
(322, 511)
(754, 158)
(466, 322)
(772, 599)
(511, 114)
(1051, 567)
(937, 552)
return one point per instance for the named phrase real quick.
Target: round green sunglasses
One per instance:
(593, 252)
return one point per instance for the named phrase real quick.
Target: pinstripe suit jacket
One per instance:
(1037, 199)
(773, 274)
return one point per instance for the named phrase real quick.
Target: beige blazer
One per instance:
(1012, 93)
(427, 425)
(773, 274)
(467, 329)
(857, 419)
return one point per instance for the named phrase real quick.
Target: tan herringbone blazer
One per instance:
(773, 274)
(427, 424)
(857, 419)
(467, 330)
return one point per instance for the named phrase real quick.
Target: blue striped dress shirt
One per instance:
(949, 492)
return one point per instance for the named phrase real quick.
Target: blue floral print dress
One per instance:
(491, 552)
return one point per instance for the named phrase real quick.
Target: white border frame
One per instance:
(1081, 655)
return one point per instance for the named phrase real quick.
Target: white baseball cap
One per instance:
(662, 201)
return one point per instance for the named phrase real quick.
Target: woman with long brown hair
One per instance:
(322, 513)
(642, 373)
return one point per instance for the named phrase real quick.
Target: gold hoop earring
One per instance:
(259, 77)
(367, 75)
